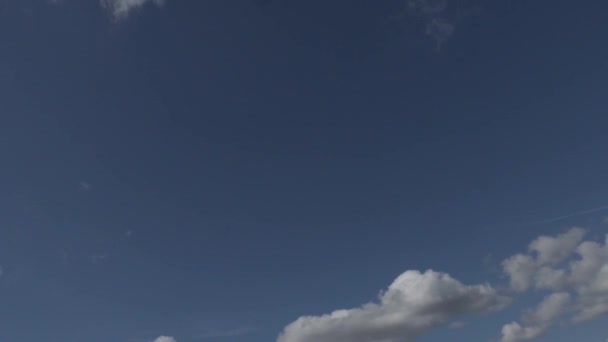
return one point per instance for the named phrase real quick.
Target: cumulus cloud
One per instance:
(536, 322)
(121, 8)
(572, 273)
(165, 339)
(589, 275)
(521, 269)
(414, 303)
(552, 250)
(535, 268)
(570, 267)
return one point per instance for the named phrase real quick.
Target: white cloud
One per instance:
(584, 277)
(536, 322)
(535, 269)
(573, 273)
(552, 250)
(589, 275)
(521, 269)
(414, 303)
(165, 339)
(121, 8)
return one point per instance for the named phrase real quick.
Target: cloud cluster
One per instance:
(414, 303)
(575, 271)
(121, 8)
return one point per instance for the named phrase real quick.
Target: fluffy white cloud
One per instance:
(165, 339)
(536, 269)
(583, 277)
(414, 303)
(552, 250)
(521, 269)
(589, 275)
(536, 322)
(573, 272)
(121, 8)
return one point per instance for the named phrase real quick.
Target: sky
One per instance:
(303, 171)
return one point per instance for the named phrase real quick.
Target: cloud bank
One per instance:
(414, 303)
(572, 272)
(120, 9)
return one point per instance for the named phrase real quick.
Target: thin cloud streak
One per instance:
(228, 333)
(559, 218)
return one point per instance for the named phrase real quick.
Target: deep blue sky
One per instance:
(218, 165)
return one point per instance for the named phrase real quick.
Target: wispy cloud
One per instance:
(457, 325)
(437, 24)
(85, 186)
(120, 9)
(227, 333)
(99, 258)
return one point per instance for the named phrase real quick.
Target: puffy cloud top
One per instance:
(414, 303)
(537, 321)
(165, 339)
(576, 270)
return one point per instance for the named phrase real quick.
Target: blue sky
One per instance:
(226, 170)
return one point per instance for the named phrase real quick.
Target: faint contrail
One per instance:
(559, 218)
(548, 220)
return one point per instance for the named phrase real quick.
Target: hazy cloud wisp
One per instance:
(121, 8)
